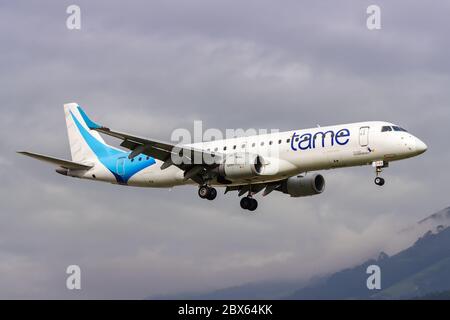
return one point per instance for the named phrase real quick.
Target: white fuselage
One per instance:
(287, 153)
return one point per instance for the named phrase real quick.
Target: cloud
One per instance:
(150, 68)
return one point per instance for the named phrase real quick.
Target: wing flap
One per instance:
(66, 164)
(254, 188)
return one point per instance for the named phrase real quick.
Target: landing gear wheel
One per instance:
(379, 181)
(203, 192)
(253, 205)
(212, 194)
(245, 203)
(248, 203)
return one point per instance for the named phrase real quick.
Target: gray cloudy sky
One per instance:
(150, 67)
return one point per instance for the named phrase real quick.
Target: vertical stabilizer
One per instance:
(85, 144)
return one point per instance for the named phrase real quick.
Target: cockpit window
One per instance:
(398, 129)
(386, 128)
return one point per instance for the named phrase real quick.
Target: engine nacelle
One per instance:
(302, 186)
(241, 166)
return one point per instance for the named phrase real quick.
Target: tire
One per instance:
(253, 205)
(203, 192)
(245, 203)
(379, 181)
(212, 194)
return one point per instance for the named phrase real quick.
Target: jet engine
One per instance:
(241, 166)
(302, 186)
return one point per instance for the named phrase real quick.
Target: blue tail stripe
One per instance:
(109, 156)
(91, 124)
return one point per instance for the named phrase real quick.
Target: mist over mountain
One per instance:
(442, 217)
(420, 271)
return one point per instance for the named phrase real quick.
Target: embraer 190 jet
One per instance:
(282, 161)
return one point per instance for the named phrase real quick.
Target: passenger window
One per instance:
(270, 142)
(288, 140)
(215, 149)
(253, 144)
(279, 141)
(234, 147)
(224, 148)
(243, 146)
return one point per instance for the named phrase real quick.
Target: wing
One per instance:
(193, 161)
(66, 164)
(255, 188)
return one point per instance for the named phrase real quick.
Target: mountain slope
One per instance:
(443, 295)
(420, 269)
(258, 291)
(442, 216)
(432, 279)
(423, 270)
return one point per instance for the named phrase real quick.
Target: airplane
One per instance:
(284, 161)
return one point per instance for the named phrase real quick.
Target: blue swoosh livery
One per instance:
(116, 161)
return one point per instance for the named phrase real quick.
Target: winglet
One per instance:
(91, 124)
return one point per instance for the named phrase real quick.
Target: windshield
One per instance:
(399, 129)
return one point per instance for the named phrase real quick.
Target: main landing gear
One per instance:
(210, 193)
(379, 165)
(206, 192)
(248, 203)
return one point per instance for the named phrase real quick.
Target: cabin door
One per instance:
(364, 136)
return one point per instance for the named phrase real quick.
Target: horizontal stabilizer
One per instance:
(66, 164)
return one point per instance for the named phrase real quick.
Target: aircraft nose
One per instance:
(421, 147)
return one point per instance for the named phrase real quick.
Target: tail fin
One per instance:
(85, 144)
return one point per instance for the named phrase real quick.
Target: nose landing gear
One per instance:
(379, 165)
